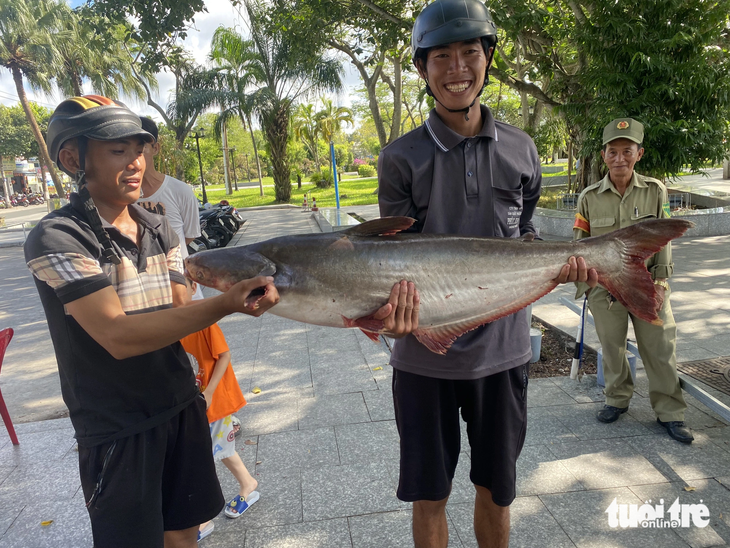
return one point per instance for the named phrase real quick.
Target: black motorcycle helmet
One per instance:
(448, 21)
(92, 117)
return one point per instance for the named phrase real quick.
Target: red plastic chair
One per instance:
(5, 336)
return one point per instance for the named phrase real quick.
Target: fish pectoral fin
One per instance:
(385, 226)
(372, 336)
(367, 324)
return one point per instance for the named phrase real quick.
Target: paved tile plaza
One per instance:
(321, 439)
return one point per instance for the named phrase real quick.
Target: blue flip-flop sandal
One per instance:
(205, 531)
(239, 505)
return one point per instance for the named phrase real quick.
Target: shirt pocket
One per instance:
(643, 216)
(603, 222)
(507, 207)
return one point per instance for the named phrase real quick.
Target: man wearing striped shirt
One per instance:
(104, 269)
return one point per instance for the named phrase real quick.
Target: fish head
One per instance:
(223, 268)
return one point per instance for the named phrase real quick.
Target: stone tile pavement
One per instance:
(322, 443)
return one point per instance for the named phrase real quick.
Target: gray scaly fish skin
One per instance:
(340, 279)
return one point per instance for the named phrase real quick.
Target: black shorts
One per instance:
(163, 479)
(427, 415)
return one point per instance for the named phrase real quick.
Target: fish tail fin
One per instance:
(632, 284)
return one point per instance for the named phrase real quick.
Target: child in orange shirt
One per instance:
(223, 396)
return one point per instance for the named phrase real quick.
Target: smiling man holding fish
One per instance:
(462, 173)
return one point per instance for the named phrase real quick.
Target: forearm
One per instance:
(218, 370)
(124, 336)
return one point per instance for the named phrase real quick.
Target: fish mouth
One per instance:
(253, 298)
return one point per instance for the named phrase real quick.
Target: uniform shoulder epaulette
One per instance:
(594, 186)
(647, 179)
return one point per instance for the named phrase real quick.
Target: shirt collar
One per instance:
(606, 183)
(446, 138)
(138, 213)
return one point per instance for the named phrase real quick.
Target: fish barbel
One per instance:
(341, 279)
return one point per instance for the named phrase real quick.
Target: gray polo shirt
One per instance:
(486, 185)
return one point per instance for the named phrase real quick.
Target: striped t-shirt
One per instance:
(109, 398)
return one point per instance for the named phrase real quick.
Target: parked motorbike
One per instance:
(226, 207)
(202, 242)
(19, 200)
(218, 231)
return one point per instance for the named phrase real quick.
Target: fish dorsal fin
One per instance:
(385, 226)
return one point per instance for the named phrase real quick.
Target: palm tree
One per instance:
(331, 118)
(190, 97)
(28, 33)
(93, 48)
(231, 53)
(282, 71)
(307, 130)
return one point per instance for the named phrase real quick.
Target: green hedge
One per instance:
(366, 171)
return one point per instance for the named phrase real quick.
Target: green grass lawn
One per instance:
(352, 192)
(356, 191)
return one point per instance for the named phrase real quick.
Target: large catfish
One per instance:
(340, 279)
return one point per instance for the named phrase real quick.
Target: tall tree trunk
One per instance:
(277, 136)
(6, 186)
(570, 167)
(256, 155)
(44, 185)
(370, 82)
(397, 97)
(77, 84)
(18, 78)
(315, 153)
(180, 166)
(226, 166)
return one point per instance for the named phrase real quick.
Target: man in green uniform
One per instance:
(622, 198)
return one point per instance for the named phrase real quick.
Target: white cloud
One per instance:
(220, 12)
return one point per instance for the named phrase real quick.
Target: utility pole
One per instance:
(226, 175)
(199, 133)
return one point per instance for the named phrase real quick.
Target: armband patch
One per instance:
(666, 210)
(581, 223)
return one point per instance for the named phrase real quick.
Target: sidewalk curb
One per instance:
(269, 207)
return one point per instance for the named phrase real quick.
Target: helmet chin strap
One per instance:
(466, 109)
(108, 253)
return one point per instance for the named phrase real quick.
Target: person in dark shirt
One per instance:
(462, 173)
(104, 269)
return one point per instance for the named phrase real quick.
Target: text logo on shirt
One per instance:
(513, 216)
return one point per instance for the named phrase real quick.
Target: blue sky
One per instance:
(220, 12)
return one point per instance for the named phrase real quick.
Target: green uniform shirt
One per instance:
(602, 209)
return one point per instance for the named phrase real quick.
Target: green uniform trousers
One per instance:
(657, 345)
